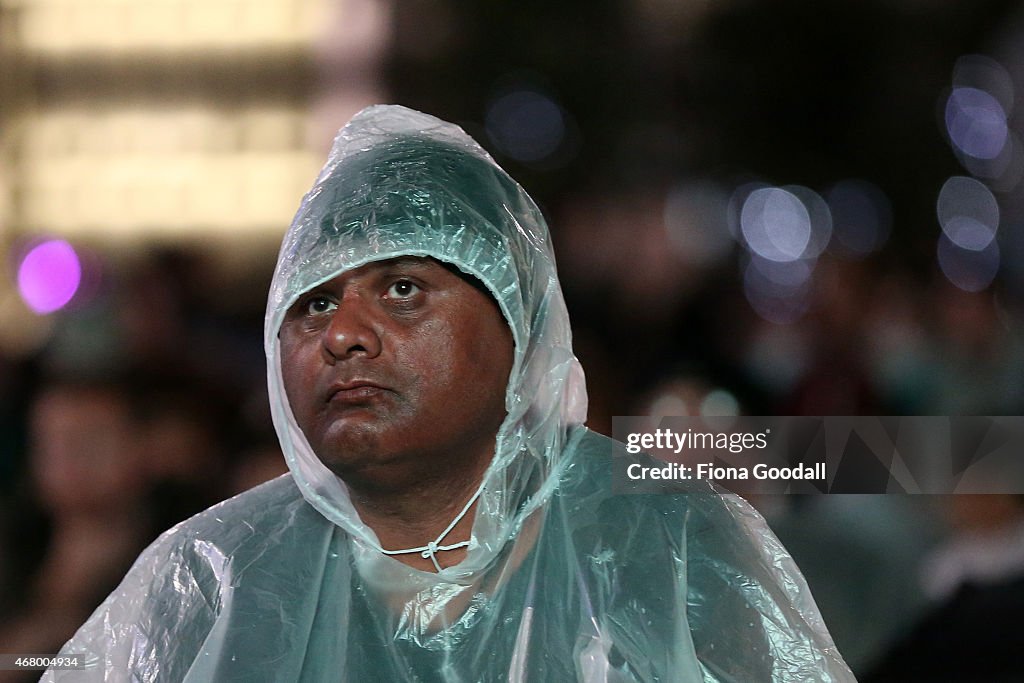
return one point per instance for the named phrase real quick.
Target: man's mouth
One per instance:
(354, 391)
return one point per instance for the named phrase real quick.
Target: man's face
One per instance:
(396, 373)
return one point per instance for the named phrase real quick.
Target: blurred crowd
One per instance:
(912, 587)
(141, 410)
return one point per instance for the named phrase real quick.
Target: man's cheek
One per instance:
(296, 390)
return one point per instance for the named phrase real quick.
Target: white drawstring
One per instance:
(429, 551)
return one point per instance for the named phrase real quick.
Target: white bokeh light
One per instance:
(719, 403)
(968, 213)
(668, 404)
(821, 219)
(736, 202)
(775, 224)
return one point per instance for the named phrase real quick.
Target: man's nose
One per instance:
(351, 332)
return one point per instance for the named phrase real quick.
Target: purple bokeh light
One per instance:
(49, 276)
(976, 123)
(968, 269)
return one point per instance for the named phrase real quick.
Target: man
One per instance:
(447, 517)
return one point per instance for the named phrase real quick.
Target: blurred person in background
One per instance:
(83, 521)
(978, 361)
(836, 379)
(256, 465)
(183, 440)
(971, 630)
(14, 385)
(447, 516)
(861, 554)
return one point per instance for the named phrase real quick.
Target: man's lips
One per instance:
(354, 391)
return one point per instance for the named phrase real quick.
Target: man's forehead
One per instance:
(411, 264)
(403, 262)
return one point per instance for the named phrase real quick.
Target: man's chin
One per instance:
(374, 475)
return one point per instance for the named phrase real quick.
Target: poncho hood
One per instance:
(396, 183)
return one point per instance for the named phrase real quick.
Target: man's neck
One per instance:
(419, 514)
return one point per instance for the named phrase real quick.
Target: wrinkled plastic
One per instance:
(562, 580)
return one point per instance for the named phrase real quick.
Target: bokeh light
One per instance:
(1001, 173)
(667, 404)
(976, 123)
(735, 207)
(775, 224)
(821, 219)
(968, 213)
(970, 270)
(719, 403)
(49, 275)
(976, 117)
(861, 217)
(526, 125)
(785, 274)
(984, 73)
(778, 292)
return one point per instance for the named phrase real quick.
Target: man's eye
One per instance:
(402, 289)
(319, 304)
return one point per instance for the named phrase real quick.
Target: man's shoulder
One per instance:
(274, 493)
(600, 465)
(226, 545)
(179, 586)
(269, 508)
(597, 487)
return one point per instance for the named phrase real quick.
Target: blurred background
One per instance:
(793, 207)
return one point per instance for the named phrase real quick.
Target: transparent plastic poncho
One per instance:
(562, 581)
